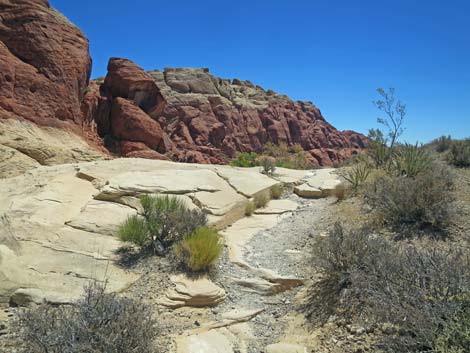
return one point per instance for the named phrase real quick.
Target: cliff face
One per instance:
(197, 117)
(184, 114)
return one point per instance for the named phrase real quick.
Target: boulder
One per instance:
(129, 122)
(200, 292)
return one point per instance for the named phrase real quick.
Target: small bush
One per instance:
(276, 191)
(98, 322)
(200, 250)
(293, 157)
(261, 200)
(459, 154)
(340, 192)
(245, 159)
(268, 164)
(442, 144)
(424, 200)
(357, 175)
(250, 208)
(368, 280)
(166, 220)
(134, 230)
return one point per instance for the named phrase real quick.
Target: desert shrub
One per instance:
(98, 322)
(250, 208)
(245, 159)
(356, 175)
(134, 230)
(459, 154)
(200, 250)
(268, 163)
(166, 220)
(340, 191)
(420, 201)
(293, 157)
(261, 200)
(442, 144)
(369, 280)
(455, 334)
(410, 160)
(276, 191)
(377, 149)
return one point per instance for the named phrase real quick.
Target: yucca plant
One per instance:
(410, 160)
(200, 250)
(356, 175)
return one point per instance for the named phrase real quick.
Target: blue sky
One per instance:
(334, 53)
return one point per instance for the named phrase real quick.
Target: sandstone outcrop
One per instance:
(182, 114)
(206, 119)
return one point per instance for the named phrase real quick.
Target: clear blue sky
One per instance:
(334, 53)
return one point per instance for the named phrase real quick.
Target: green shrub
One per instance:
(245, 159)
(250, 208)
(166, 220)
(200, 250)
(356, 175)
(98, 322)
(268, 163)
(410, 160)
(293, 157)
(368, 280)
(134, 230)
(261, 200)
(423, 200)
(276, 191)
(459, 154)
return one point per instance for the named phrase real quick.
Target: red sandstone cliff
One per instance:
(184, 114)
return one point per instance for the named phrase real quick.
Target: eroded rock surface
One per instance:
(197, 292)
(58, 223)
(206, 119)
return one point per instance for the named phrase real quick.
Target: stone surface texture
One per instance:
(206, 119)
(58, 223)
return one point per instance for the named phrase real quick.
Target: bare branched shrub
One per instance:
(370, 280)
(97, 323)
(420, 201)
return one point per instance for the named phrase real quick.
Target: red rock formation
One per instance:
(206, 119)
(186, 114)
(44, 67)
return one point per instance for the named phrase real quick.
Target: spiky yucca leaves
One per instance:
(200, 250)
(410, 160)
(357, 175)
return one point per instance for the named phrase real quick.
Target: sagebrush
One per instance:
(98, 322)
(370, 280)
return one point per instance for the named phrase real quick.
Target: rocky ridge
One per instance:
(192, 116)
(180, 114)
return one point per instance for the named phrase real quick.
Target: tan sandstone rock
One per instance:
(200, 292)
